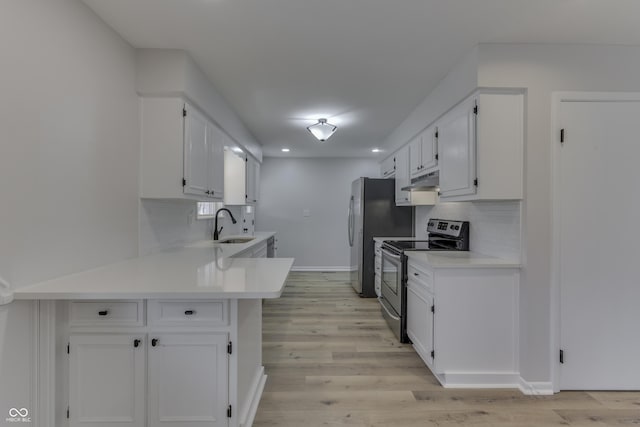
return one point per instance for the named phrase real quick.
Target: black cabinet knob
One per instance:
(103, 312)
(136, 343)
(415, 274)
(154, 342)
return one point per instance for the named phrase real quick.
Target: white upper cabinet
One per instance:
(216, 162)
(235, 176)
(388, 167)
(480, 144)
(409, 198)
(457, 137)
(423, 153)
(196, 153)
(241, 178)
(181, 152)
(253, 180)
(402, 176)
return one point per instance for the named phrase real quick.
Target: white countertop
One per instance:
(460, 259)
(198, 271)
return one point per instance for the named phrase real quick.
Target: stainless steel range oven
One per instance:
(444, 235)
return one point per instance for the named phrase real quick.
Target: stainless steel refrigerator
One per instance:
(373, 213)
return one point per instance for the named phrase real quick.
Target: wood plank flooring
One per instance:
(331, 360)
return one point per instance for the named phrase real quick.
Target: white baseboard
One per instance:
(479, 380)
(535, 388)
(315, 268)
(249, 411)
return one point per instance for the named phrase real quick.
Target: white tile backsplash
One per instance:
(166, 224)
(494, 226)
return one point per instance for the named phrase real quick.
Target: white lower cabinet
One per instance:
(107, 380)
(420, 320)
(463, 323)
(173, 373)
(188, 380)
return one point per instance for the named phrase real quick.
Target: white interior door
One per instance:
(599, 208)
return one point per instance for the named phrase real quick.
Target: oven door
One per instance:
(391, 283)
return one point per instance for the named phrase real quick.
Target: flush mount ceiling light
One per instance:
(285, 150)
(322, 130)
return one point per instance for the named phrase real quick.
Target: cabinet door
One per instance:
(196, 152)
(235, 178)
(253, 179)
(415, 157)
(188, 380)
(420, 321)
(388, 167)
(216, 162)
(457, 149)
(106, 381)
(402, 176)
(429, 150)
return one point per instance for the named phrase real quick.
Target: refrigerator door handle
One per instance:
(350, 223)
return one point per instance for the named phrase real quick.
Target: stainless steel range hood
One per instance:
(429, 182)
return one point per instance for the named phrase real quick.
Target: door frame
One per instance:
(557, 98)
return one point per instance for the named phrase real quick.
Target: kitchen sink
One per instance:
(236, 240)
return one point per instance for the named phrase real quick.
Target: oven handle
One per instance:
(390, 254)
(383, 304)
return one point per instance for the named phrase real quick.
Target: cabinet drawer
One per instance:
(420, 275)
(106, 313)
(192, 313)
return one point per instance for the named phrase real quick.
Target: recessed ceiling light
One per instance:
(376, 150)
(285, 150)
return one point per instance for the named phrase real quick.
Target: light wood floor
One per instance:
(331, 360)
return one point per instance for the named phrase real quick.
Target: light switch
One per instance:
(306, 213)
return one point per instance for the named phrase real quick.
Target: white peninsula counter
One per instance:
(170, 339)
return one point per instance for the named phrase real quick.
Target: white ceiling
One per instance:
(362, 64)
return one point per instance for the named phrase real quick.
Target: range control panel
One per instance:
(447, 227)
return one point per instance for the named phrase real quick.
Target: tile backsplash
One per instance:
(494, 226)
(166, 224)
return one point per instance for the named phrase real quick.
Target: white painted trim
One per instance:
(479, 379)
(251, 408)
(45, 377)
(555, 304)
(315, 268)
(535, 388)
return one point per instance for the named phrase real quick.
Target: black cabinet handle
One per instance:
(103, 312)
(136, 343)
(189, 312)
(154, 342)
(415, 274)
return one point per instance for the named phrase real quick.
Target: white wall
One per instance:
(173, 72)
(68, 160)
(322, 186)
(457, 84)
(543, 69)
